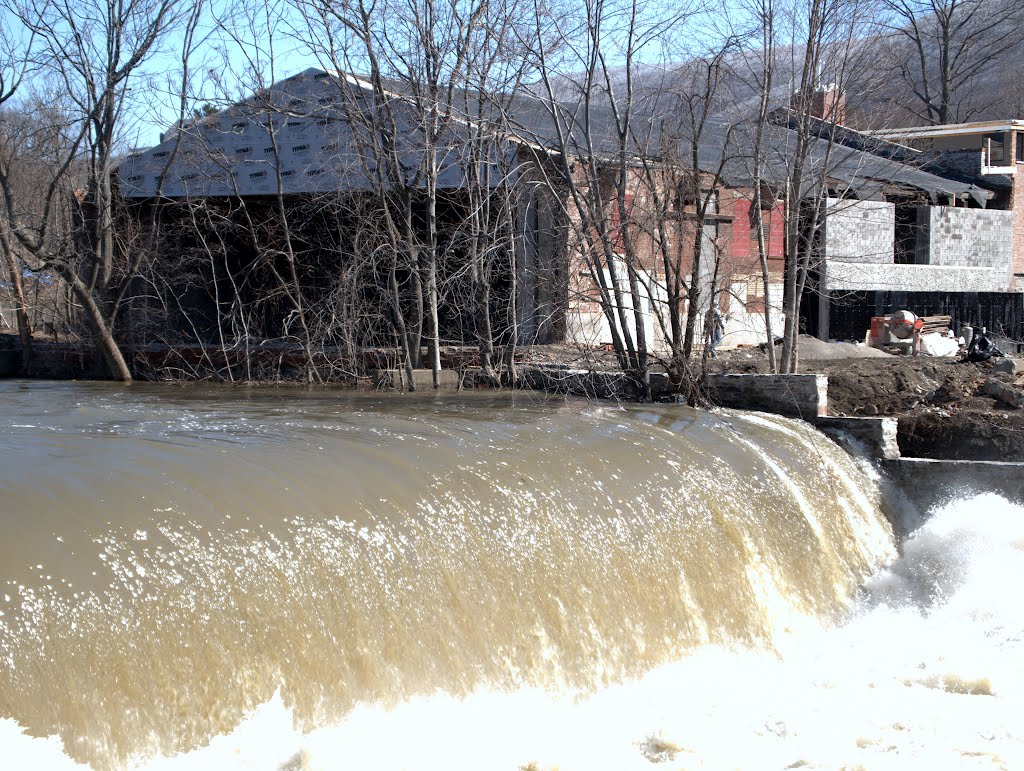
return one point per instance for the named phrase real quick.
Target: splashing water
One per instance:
(552, 588)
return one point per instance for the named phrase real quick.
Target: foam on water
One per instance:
(928, 672)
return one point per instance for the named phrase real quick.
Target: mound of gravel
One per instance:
(813, 349)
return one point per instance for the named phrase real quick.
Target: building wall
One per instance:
(541, 272)
(859, 231)
(962, 237)
(852, 276)
(1017, 230)
(729, 234)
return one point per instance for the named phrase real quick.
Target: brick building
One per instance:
(989, 153)
(891, 220)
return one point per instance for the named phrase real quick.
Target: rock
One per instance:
(1009, 365)
(1004, 393)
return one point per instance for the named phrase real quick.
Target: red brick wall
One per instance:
(736, 239)
(1018, 227)
(744, 246)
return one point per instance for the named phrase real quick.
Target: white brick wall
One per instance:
(859, 231)
(970, 237)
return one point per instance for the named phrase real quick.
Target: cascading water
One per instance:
(271, 579)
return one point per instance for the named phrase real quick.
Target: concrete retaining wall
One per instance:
(924, 481)
(929, 482)
(423, 379)
(798, 396)
(879, 435)
(582, 382)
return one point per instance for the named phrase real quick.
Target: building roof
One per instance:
(949, 130)
(923, 171)
(312, 129)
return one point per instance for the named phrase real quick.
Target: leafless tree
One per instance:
(826, 40)
(588, 82)
(943, 49)
(94, 49)
(690, 142)
(762, 77)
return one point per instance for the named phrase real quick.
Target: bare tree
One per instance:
(827, 31)
(943, 49)
(590, 92)
(681, 184)
(422, 113)
(763, 80)
(14, 63)
(94, 49)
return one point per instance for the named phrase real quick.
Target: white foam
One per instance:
(928, 674)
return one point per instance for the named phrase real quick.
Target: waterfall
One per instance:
(313, 564)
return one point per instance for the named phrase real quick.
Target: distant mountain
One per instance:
(877, 95)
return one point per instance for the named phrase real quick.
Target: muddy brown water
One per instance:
(172, 556)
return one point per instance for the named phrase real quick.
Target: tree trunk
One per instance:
(21, 310)
(108, 347)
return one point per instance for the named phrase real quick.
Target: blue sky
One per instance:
(230, 46)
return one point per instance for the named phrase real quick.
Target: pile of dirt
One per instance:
(942, 406)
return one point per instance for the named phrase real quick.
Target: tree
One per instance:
(943, 49)
(93, 49)
(590, 92)
(681, 182)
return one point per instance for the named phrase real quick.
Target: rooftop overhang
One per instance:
(949, 130)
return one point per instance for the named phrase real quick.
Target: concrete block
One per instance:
(851, 276)
(878, 434)
(1005, 393)
(799, 396)
(859, 231)
(1009, 365)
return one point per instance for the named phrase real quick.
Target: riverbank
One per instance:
(944, 407)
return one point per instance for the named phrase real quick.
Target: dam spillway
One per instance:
(291, 579)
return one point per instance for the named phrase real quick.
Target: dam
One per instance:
(204, 577)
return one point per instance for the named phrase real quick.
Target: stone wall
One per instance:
(859, 231)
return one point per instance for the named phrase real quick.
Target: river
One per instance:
(232, 578)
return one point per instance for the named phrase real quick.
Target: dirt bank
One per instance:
(942, 406)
